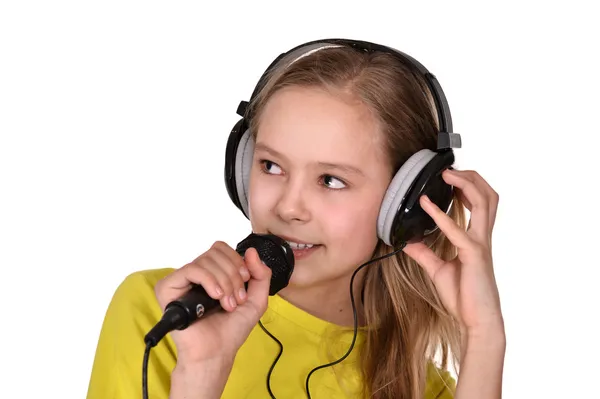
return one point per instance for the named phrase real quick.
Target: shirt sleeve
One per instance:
(117, 367)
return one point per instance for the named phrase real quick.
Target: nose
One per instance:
(291, 206)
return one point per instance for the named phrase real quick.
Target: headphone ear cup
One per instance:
(411, 223)
(238, 162)
(397, 192)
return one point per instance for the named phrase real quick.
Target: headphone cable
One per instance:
(276, 359)
(355, 316)
(353, 338)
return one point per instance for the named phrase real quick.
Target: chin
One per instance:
(303, 277)
(312, 275)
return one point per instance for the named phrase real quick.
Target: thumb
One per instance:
(260, 278)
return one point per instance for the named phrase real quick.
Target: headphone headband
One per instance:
(447, 139)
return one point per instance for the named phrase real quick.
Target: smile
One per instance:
(295, 245)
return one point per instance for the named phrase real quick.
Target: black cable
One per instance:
(145, 371)
(275, 361)
(355, 317)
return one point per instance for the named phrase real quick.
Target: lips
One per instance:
(297, 244)
(303, 253)
(295, 240)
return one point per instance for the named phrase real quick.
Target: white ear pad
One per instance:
(397, 190)
(243, 164)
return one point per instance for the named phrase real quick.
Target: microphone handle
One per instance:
(180, 313)
(195, 304)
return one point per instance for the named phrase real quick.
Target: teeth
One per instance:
(295, 245)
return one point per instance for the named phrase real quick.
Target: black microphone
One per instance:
(274, 251)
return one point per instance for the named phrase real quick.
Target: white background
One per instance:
(114, 117)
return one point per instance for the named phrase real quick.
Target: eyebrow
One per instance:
(345, 168)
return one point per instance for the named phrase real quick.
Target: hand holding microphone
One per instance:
(236, 281)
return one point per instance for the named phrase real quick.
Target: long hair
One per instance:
(408, 327)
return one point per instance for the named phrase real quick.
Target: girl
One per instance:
(330, 126)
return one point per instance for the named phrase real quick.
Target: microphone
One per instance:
(274, 251)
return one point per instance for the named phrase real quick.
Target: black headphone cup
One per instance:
(434, 185)
(412, 223)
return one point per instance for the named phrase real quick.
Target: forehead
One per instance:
(311, 124)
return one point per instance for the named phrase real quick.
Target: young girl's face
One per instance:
(318, 176)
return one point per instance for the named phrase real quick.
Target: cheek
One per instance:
(354, 226)
(261, 197)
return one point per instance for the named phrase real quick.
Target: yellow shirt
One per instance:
(133, 311)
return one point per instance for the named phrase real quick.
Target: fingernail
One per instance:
(232, 301)
(244, 272)
(426, 198)
(242, 293)
(219, 290)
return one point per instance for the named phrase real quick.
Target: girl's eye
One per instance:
(270, 167)
(330, 182)
(333, 182)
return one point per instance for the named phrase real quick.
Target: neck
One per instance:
(331, 301)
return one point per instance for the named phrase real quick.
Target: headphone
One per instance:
(401, 219)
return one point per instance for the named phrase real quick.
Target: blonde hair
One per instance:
(408, 325)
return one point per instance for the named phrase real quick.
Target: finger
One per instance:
(229, 300)
(231, 266)
(177, 283)
(491, 194)
(466, 203)
(479, 204)
(455, 234)
(493, 198)
(234, 258)
(260, 283)
(464, 200)
(425, 257)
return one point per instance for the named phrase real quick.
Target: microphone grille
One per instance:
(276, 253)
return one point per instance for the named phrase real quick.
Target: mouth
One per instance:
(297, 243)
(301, 248)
